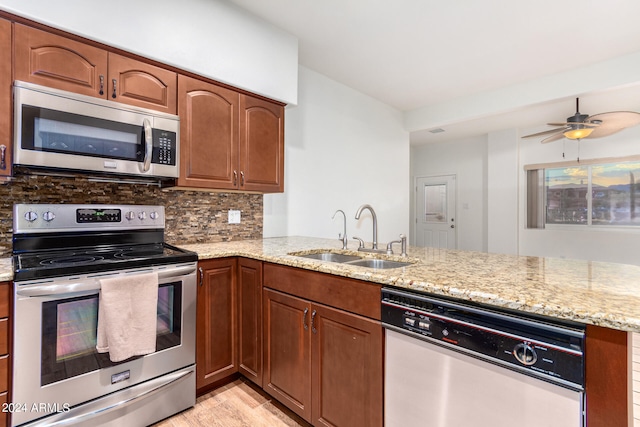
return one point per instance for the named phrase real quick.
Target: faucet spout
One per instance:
(343, 236)
(375, 222)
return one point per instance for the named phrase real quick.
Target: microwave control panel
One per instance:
(164, 147)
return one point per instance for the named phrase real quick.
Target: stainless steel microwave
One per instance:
(60, 130)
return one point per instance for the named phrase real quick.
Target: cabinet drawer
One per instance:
(5, 298)
(4, 336)
(4, 373)
(4, 416)
(347, 294)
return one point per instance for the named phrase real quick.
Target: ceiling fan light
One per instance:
(578, 133)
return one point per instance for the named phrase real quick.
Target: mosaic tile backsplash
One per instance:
(191, 216)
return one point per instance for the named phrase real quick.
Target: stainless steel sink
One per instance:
(379, 263)
(331, 257)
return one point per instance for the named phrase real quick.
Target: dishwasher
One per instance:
(455, 365)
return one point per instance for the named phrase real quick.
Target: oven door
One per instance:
(56, 365)
(57, 129)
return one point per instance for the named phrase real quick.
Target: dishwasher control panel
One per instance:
(549, 350)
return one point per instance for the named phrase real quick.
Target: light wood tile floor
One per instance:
(237, 404)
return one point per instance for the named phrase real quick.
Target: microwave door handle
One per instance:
(148, 144)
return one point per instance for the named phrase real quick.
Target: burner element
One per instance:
(71, 260)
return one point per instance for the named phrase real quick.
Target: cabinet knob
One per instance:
(235, 177)
(113, 95)
(242, 178)
(304, 318)
(201, 276)
(3, 156)
(101, 84)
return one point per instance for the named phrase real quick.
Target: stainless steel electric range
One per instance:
(61, 253)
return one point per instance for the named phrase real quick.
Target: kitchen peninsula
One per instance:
(596, 293)
(604, 296)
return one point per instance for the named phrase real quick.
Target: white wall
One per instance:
(467, 160)
(343, 149)
(212, 38)
(502, 194)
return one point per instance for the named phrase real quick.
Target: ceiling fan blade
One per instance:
(552, 138)
(613, 122)
(586, 124)
(547, 132)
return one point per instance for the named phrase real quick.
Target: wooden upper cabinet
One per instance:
(228, 140)
(208, 135)
(137, 83)
(62, 63)
(58, 62)
(5, 98)
(261, 145)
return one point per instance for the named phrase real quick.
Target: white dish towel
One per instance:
(127, 316)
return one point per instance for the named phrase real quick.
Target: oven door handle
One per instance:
(92, 285)
(69, 288)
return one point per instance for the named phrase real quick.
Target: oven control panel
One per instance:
(35, 218)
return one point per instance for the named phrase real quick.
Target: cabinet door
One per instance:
(58, 62)
(250, 319)
(261, 145)
(347, 355)
(5, 98)
(287, 351)
(208, 135)
(141, 84)
(216, 325)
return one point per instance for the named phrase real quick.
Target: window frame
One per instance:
(536, 204)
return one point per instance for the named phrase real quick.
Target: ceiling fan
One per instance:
(581, 126)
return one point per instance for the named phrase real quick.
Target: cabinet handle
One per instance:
(101, 84)
(242, 178)
(113, 95)
(3, 156)
(313, 322)
(304, 318)
(235, 177)
(201, 276)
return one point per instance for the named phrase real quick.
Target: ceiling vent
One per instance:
(437, 130)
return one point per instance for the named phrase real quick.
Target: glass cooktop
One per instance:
(66, 262)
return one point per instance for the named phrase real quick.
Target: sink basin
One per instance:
(379, 263)
(331, 257)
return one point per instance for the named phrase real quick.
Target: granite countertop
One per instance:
(604, 294)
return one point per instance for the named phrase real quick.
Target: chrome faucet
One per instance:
(403, 245)
(375, 223)
(342, 236)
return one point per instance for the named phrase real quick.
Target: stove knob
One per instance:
(154, 215)
(30, 216)
(142, 216)
(130, 215)
(48, 216)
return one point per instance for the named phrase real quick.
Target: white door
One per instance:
(436, 212)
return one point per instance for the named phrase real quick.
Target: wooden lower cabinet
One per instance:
(325, 364)
(216, 336)
(5, 356)
(250, 319)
